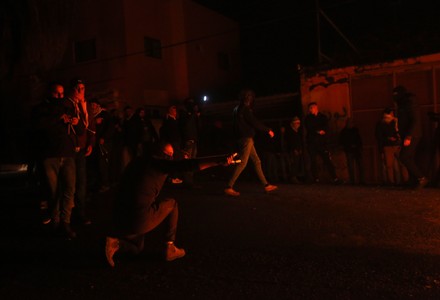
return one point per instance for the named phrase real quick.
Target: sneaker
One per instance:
(269, 188)
(86, 221)
(176, 180)
(337, 181)
(46, 220)
(172, 252)
(231, 192)
(111, 247)
(67, 231)
(423, 181)
(103, 189)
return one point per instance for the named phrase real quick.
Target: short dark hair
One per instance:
(388, 110)
(75, 81)
(312, 103)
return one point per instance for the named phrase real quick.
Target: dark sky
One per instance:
(276, 36)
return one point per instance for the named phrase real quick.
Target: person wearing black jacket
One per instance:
(54, 123)
(139, 208)
(316, 125)
(388, 140)
(410, 129)
(245, 125)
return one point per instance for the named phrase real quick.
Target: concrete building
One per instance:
(151, 52)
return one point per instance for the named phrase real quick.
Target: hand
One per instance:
(231, 160)
(321, 132)
(88, 151)
(271, 134)
(66, 118)
(74, 121)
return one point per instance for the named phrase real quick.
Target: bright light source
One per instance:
(205, 98)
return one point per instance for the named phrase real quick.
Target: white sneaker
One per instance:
(269, 188)
(231, 192)
(111, 247)
(176, 181)
(172, 252)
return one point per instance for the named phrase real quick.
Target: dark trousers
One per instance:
(81, 182)
(314, 152)
(408, 158)
(354, 162)
(164, 210)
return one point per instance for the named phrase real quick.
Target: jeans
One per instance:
(246, 151)
(166, 209)
(81, 182)
(61, 176)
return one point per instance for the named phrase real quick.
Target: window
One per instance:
(152, 47)
(223, 61)
(85, 50)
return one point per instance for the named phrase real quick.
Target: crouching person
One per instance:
(138, 207)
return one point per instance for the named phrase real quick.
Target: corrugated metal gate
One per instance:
(364, 92)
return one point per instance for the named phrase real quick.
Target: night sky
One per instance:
(277, 36)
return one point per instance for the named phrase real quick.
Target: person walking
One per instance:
(245, 125)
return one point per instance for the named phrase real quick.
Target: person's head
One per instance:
(313, 108)
(77, 88)
(172, 111)
(247, 97)
(388, 115)
(141, 112)
(349, 123)
(95, 104)
(401, 95)
(56, 90)
(128, 111)
(295, 123)
(189, 104)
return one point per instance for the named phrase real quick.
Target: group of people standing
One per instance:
(63, 135)
(69, 130)
(398, 134)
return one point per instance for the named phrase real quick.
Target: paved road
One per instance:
(300, 242)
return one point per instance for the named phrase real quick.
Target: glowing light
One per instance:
(205, 98)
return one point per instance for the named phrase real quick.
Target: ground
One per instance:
(299, 242)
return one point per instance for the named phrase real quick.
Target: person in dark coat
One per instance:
(351, 141)
(295, 148)
(410, 130)
(139, 208)
(316, 125)
(389, 141)
(54, 124)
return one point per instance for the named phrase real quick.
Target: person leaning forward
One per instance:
(139, 208)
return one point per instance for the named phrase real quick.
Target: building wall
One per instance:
(363, 92)
(210, 34)
(126, 75)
